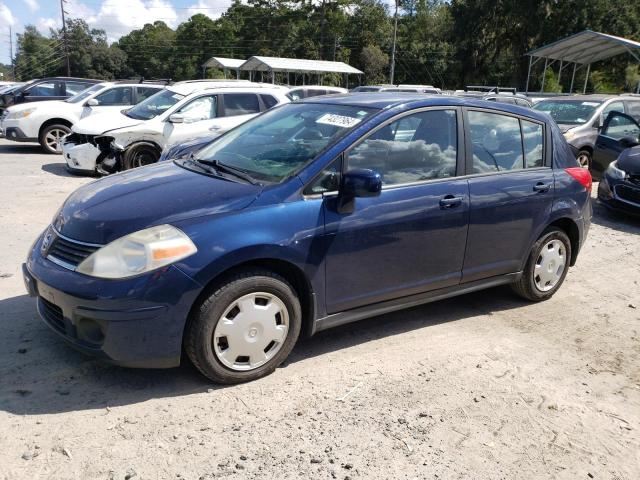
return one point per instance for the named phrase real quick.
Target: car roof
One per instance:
(189, 87)
(383, 101)
(583, 98)
(309, 87)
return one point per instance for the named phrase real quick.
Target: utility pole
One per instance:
(393, 48)
(13, 65)
(64, 36)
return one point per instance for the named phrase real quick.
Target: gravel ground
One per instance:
(479, 386)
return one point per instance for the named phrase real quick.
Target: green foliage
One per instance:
(447, 43)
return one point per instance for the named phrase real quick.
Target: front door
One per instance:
(616, 126)
(511, 188)
(412, 237)
(198, 116)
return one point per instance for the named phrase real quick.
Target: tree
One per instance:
(37, 56)
(374, 63)
(150, 50)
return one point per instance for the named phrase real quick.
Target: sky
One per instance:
(116, 17)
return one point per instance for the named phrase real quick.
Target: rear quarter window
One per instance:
(240, 104)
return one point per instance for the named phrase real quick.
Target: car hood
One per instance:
(629, 161)
(103, 122)
(47, 105)
(564, 128)
(117, 205)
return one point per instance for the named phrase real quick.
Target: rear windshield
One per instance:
(569, 112)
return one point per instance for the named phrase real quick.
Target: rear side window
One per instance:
(500, 143)
(414, 148)
(269, 100)
(634, 110)
(240, 104)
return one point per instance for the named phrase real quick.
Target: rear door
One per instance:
(616, 126)
(411, 238)
(236, 108)
(510, 188)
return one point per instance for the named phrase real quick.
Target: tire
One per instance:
(139, 155)
(532, 285)
(221, 348)
(50, 137)
(584, 159)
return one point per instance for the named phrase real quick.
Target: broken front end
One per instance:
(92, 154)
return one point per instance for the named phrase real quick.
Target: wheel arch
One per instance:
(570, 227)
(54, 121)
(286, 269)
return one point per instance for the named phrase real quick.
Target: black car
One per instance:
(616, 162)
(50, 88)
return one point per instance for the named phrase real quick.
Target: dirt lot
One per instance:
(480, 386)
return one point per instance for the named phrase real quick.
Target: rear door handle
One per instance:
(450, 201)
(214, 128)
(542, 187)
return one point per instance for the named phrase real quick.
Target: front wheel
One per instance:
(245, 328)
(546, 267)
(140, 155)
(51, 137)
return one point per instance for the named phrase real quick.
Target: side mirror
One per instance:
(25, 93)
(358, 183)
(92, 102)
(176, 118)
(628, 142)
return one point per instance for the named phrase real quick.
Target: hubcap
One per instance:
(53, 137)
(251, 331)
(550, 265)
(143, 158)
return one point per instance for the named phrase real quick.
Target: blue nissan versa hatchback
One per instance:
(312, 215)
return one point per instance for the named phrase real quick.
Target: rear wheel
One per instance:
(139, 155)
(51, 137)
(245, 328)
(546, 267)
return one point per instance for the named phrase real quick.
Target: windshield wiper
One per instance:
(222, 167)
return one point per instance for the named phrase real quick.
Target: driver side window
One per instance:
(115, 96)
(202, 108)
(619, 126)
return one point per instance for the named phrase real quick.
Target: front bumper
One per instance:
(136, 322)
(80, 157)
(11, 131)
(609, 196)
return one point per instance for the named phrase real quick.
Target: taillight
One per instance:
(582, 175)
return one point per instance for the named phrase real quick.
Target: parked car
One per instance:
(314, 214)
(185, 148)
(397, 88)
(117, 141)
(619, 132)
(306, 91)
(50, 88)
(580, 117)
(370, 88)
(47, 122)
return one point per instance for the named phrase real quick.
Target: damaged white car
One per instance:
(132, 138)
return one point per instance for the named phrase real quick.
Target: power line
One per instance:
(64, 33)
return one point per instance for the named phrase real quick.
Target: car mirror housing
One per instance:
(628, 142)
(92, 102)
(358, 183)
(176, 118)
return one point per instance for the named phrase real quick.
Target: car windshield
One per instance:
(569, 112)
(280, 142)
(155, 105)
(78, 97)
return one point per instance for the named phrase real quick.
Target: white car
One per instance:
(123, 140)
(47, 122)
(306, 91)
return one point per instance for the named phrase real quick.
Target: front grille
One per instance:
(628, 194)
(80, 138)
(68, 251)
(52, 314)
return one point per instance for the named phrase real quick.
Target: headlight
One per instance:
(614, 172)
(570, 135)
(138, 252)
(20, 114)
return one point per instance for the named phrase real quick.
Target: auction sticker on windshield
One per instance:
(338, 120)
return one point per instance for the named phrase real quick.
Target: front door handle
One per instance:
(450, 201)
(214, 128)
(542, 187)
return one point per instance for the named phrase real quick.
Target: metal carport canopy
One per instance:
(583, 48)
(296, 65)
(221, 62)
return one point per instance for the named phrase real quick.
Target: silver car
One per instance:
(580, 118)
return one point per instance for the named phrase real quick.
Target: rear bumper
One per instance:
(136, 322)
